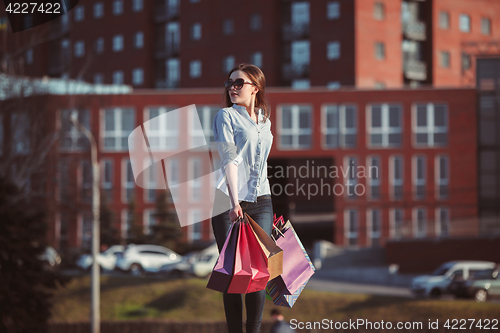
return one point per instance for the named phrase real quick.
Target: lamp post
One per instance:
(95, 315)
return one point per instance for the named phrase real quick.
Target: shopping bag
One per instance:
(273, 253)
(242, 274)
(224, 267)
(258, 262)
(278, 293)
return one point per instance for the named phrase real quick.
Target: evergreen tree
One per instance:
(167, 231)
(136, 232)
(25, 285)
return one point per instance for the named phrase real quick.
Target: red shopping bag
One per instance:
(250, 264)
(224, 267)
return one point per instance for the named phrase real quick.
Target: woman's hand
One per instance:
(235, 212)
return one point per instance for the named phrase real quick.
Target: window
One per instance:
(485, 26)
(256, 59)
(397, 223)
(107, 180)
(117, 7)
(98, 10)
(86, 181)
(378, 11)
(79, 49)
(339, 126)
(444, 20)
(98, 78)
(255, 22)
(117, 125)
(379, 85)
(228, 63)
(162, 128)
(87, 221)
(396, 179)
(118, 43)
(333, 50)
(464, 21)
(442, 173)
(419, 176)
(379, 51)
(149, 219)
(444, 59)
(139, 40)
(442, 222)
(195, 173)
(173, 178)
(99, 45)
(301, 84)
(300, 14)
(127, 222)
(295, 127)
(137, 76)
(196, 31)
(351, 167)
(20, 124)
(195, 68)
(29, 56)
(173, 72)
(206, 115)
(385, 125)
(79, 13)
(373, 180)
(419, 222)
(374, 224)
(152, 180)
(127, 181)
(70, 138)
(488, 161)
(430, 125)
(195, 227)
(466, 62)
(118, 77)
(334, 85)
(351, 226)
(137, 5)
(333, 10)
(228, 27)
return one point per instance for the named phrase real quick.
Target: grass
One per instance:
(129, 298)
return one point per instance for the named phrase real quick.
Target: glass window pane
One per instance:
(350, 117)
(305, 140)
(304, 118)
(421, 116)
(376, 139)
(286, 140)
(128, 119)
(394, 120)
(332, 140)
(349, 140)
(109, 120)
(422, 138)
(439, 115)
(332, 117)
(376, 116)
(440, 139)
(443, 167)
(286, 118)
(395, 139)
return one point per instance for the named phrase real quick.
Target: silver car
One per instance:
(141, 259)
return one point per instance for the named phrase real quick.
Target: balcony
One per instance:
(414, 31)
(167, 84)
(165, 13)
(295, 71)
(295, 31)
(167, 50)
(415, 69)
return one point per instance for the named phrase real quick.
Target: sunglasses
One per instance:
(238, 84)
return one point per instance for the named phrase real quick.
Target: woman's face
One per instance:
(245, 95)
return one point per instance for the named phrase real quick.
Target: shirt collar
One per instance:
(244, 109)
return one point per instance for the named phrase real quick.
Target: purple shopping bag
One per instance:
(297, 267)
(224, 267)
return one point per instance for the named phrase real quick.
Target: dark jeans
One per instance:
(262, 213)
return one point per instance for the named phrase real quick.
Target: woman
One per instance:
(242, 131)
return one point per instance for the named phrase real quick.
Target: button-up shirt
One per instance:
(245, 143)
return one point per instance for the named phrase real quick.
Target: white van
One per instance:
(437, 284)
(204, 261)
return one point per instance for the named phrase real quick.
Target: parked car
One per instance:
(141, 259)
(106, 259)
(199, 264)
(438, 283)
(51, 259)
(481, 286)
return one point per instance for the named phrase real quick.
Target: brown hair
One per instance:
(256, 75)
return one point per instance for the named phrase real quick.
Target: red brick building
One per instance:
(414, 152)
(193, 43)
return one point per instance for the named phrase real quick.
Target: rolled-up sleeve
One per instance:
(224, 138)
